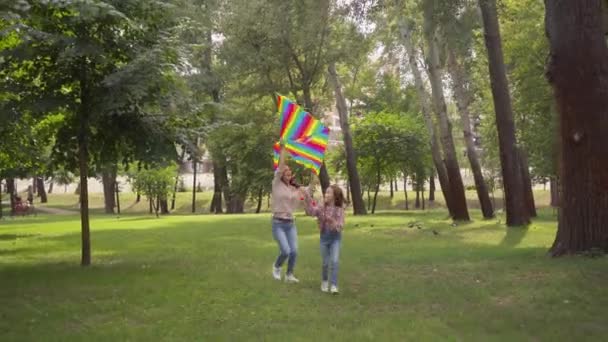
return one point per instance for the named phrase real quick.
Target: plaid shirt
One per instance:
(328, 216)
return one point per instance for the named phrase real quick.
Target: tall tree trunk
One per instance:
(378, 179)
(395, 182)
(51, 185)
(527, 182)
(181, 160)
(432, 189)
(117, 191)
(423, 200)
(10, 190)
(194, 172)
(151, 205)
(323, 175)
(425, 107)
(578, 72)
(517, 214)
(41, 190)
(417, 203)
(369, 200)
(83, 161)
(351, 157)
(348, 190)
(458, 198)
(407, 205)
(225, 185)
(260, 199)
(108, 181)
(460, 83)
(392, 194)
(35, 185)
(216, 201)
(554, 188)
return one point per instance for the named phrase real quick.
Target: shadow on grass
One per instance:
(514, 236)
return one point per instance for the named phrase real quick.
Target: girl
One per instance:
(330, 216)
(285, 198)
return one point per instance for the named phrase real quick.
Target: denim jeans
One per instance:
(286, 235)
(330, 253)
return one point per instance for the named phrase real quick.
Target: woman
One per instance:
(285, 198)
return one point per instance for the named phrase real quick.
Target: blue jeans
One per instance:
(330, 253)
(286, 235)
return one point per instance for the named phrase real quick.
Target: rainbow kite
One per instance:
(305, 137)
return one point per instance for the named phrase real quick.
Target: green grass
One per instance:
(184, 278)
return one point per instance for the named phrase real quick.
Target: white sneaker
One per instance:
(276, 272)
(325, 287)
(291, 279)
(334, 290)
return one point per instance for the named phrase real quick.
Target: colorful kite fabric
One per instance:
(305, 137)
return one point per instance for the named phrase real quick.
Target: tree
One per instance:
(578, 72)
(460, 84)
(406, 35)
(458, 198)
(154, 183)
(99, 62)
(351, 158)
(517, 213)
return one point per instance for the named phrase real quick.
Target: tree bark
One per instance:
(513, 184)
(117, 191)
(392, 194)
(378, 179)
(578, 72)
(216, 201)
(83, 163)
(417, 203)
(460, 84)
(407, 206)
(41, 190)
(458, 198)
(194, 172)
(432, 189)
(260, 199)
(108, 181)
(554, 185)
(425, 107)
(527, 182)
(10, 190)
(181, 160)
(51, 185)
(164, 207)
(351, 157)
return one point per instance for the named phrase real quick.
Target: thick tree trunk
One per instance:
(164, 207)
(527, 182)
(323, 175)
(463, 99)
(578, 72)
(108, 180)
(458, 198)
(432, 189)
(517, 214)
(554, 185)
(426, 113)
(417, 203)
(216, 201)
(41, 190)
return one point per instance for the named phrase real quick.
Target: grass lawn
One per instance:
(181, 278)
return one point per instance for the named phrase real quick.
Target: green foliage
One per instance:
(154, 183)
(388, 143)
